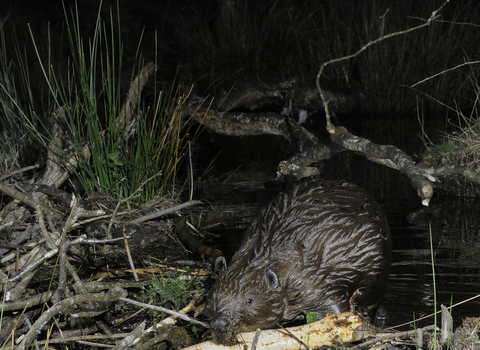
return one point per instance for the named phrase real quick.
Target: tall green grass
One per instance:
(145, 151)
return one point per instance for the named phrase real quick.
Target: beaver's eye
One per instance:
(249, 301)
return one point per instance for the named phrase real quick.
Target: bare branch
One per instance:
(114, 294)
(165, 211)
(444, 71)
(162, 309)
(330, 127)
(393, 157)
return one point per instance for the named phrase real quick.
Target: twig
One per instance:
(433, 314)
(76, 278)
(255, 340)
(41, 222)
(181, 229)
(134, 194)
(171, 319)
(62, 275)
(102, 241)
(129, 339)
(162, 309)
(293, 336)
(94, 345)
(330, 127)
(26, 302)
(100, 217)
(130, 260)
(444, 71)
(113, 294)
(82, 337)
(77, 212)
(28, 200)
(43, 258)
(164, 212)
(12, 333)
(384, 336)
(18, 171)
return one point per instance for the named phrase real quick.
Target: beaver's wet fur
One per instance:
(321, 246)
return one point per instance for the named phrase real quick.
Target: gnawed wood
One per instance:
(347, 327)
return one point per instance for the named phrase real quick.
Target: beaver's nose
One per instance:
(220, 323)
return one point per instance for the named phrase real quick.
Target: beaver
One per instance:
(321, 246)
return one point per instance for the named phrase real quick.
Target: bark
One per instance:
(333, 329)
(388, 155)
(125, 117)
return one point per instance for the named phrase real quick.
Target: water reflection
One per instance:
(455, 238)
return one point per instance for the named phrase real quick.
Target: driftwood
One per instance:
(346, 327)
(290, 96)
(310, 150)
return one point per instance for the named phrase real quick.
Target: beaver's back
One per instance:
(312, 248)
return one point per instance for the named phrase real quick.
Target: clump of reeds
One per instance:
(92, 96)
(460, 146)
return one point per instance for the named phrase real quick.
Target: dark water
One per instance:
(450, 225)
(449, 230)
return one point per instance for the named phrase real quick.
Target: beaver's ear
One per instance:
(272, 278)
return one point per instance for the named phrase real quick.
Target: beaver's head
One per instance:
(242, 300)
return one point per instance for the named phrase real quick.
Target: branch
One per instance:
(125, 117)
(113, 294)
(27, 199)
(164, 212)
(444, 71)
(450, 170)
(330, 127)
(387, 155)
(244, 124)
(162, 309)
(181, 229)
